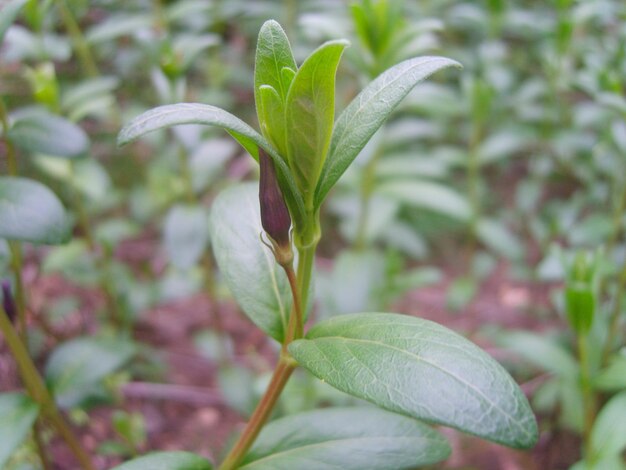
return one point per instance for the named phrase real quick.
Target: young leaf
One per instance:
(258, 284)
(37, 131)
(8, 14)
(17, 415)
(608, 435)
(274, 63)
(368, 111)
(167, 461)
(78, 365)
(273, 54)
(196, 113)
(346, 438)
(310, 112)
(30, 212)
(272, 118)
(421, 369)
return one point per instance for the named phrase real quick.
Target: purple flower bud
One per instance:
(8, 303)
(275, 216)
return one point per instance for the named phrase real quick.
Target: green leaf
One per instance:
(368, 111)
(427, 195)
(608, 435)
(310, 112)
(8, 14)
(78, 365)
(416, 367)
(613, 377)
(256, 281)
(272, 118)
(273, 72)
(37, 131)
(17, 416)
(543, 352)
(167, 461)
(30, 212)
(196, 113)
(500, 239)
(273, 54)
(346, 438)
(186, 234)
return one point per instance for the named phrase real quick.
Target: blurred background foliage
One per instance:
(503, 177)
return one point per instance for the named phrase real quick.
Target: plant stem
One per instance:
(588, 395)
(11, 154)
(20, 297)
(295, 328)
(615, 315)
(307, 244)
(38, 391)
(41, 448)
(283, 371)
(81, 45)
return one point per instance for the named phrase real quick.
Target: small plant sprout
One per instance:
(414, 370)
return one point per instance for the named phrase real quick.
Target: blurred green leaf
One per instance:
(186, 234)
(17, 416)
(8, 14)
(34, 130)
(77, 365)
(30, 212)
(542, 352)
(608, 435)
(427, 195)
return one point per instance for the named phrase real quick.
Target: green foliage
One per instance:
(416, 367)
(31, 212)
(76, 369)
(17, 415)
(167, 461)
(349, 438)
(248, 267)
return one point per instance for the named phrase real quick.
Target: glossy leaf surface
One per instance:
(421, 369)
(346, 438)
(368, 111)
(17, 416)
(30, 212)
(167, 461)
(257, 283)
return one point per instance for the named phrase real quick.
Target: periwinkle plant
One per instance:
(413, 368)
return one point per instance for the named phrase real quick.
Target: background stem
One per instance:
(38, 392)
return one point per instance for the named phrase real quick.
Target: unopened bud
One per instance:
(8, 303)
(275, 216)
